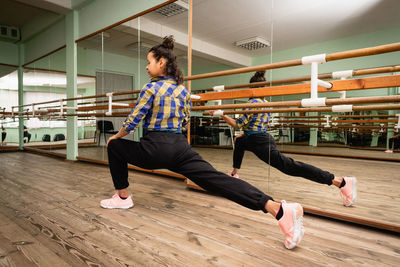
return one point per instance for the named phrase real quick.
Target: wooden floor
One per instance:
(378, 184)
(50, 216)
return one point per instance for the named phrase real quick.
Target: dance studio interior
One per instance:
(71, 71)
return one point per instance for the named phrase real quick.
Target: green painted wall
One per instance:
(8, 53)
(355, 42)
(37, 134)
(100, 14)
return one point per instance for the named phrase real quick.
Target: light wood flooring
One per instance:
(50, 216)
(378, 197)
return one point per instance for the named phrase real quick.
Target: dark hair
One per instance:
(164, 50)
(258, 77)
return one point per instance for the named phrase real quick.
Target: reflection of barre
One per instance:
(327, 123)
(314, 101)
(314, 109)
(397, 126)
(297, 103)
(111, 104)
(381, 130)
(62, 107)
(197, 97)
(342, 75)
(342, 108)
(218, 112)
(219, 88)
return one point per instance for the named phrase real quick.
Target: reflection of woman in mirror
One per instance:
(27, 134)
(394, 143)
(3, 135)
(164, 106)
(257, 140)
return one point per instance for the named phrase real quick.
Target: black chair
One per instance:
(105, 127)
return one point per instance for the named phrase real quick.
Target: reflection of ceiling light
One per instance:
(173, 9)
(139, 45)
(101, 36)
(253, 43)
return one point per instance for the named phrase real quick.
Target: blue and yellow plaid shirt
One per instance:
(162, 105)
(254, 122)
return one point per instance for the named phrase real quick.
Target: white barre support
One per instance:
(381, 130)
(397, 126)
(273, 121)
(219, 88)
(342, 75)
(111, 104)
(219, 112)
(314, 101)
(342, 108)
(62, 107)
(195, 97)
(327, 123)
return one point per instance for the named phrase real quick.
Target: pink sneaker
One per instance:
(389, 151)
(349, 191)
(291, 224)
(116, 202)
(233, 175)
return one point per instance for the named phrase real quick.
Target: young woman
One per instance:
(262, 144)
(394, 143)
(3, 134)
(164, 106)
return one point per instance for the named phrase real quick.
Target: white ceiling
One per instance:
(218, 24)
(285, 23)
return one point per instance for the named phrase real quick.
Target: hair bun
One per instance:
(259, 73)
(168, 42)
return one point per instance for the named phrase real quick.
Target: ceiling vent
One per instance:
(9, 33)
(139, 46)
(253, 43)
(173, 9)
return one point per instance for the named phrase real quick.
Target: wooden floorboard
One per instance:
(50, 216)
(378, 186)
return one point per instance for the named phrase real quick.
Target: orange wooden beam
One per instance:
(294, 89)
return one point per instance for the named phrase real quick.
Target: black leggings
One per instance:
(28, 135)
(264, 147)
(394, 143)
(163, 150)
(3, 136)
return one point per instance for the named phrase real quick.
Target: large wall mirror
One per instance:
(117, 58)
(8, 98)
(351, 143)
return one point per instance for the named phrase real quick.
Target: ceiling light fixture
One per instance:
(253, 43)
(173, 9)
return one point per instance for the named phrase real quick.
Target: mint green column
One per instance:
(313, 132)
(71, 32)
(20, 95)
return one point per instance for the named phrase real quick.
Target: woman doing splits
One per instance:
(256, 139)
(164, 107)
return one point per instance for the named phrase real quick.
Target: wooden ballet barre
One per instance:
(359, 72)
(297, 103)
(340, 116)
(339, 121)
(304, 88)
(297, 62)
(315, 109)
(79, 98)
(333, 127)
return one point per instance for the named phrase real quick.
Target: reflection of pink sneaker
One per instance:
(291, 224)
(349, 191)
(389, 151)
(116, 202)
(233, 175)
